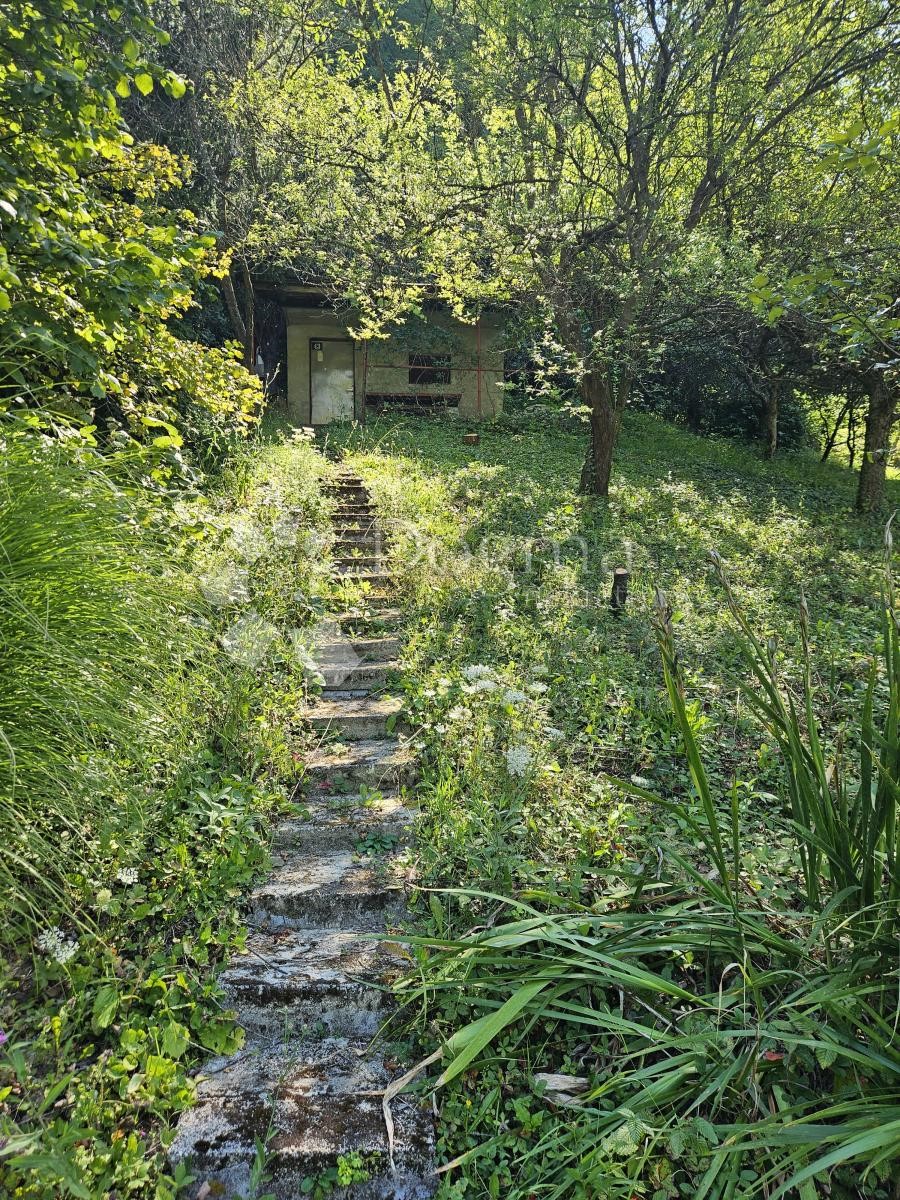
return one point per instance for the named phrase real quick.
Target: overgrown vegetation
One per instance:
(666, 964)
(149, 682)
(669, 964)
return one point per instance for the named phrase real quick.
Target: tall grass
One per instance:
(89, 617)
(843, 813)
(760, 1037)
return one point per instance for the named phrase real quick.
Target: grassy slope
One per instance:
(564, 832)
(780, 528)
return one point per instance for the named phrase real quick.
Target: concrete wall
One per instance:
(384, 364)
(302, 325)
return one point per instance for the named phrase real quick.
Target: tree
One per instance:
(615, 132)
(93, 264)
(848, 287)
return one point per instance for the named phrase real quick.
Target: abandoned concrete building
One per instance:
(433, 364)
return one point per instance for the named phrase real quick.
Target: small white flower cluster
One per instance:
(480, 685)
(518, 760)
(479, 679)
(476, 671)
(127, 875)
(514, 696)
(54, 943)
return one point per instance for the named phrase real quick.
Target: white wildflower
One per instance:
(440, 729)
(514, 696)
(127, 875)
(482, 685)
(518, 760)
(54, 943)
(476, 671)
(537, 689)
(458, 713)
(641, 782)
(553, 733)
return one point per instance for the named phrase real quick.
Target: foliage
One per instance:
(602, 910)
(148, 678)
(88, 609)
(93, 264)
(829, 261)
(844, 814)
(758, 1046)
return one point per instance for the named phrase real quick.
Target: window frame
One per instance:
(429, 370)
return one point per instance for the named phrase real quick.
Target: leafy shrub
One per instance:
(96, 259)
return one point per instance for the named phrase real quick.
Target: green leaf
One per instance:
(123, 88)
(175, 1039)
(144, 83)
(174, 85)
(106, 1004)
(473, 1038)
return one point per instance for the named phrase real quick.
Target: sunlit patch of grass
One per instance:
(516, 578)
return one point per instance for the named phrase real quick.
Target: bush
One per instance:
(89, 612)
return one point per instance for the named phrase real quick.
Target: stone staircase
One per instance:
(314, 985)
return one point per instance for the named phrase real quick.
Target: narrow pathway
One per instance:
(304, 1094)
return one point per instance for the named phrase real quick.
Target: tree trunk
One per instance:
(249, 317)
(234, 313)
(770, 417)
(605, 406)
(876, 448)
(832, 434)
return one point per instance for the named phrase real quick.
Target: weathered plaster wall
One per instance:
(385, 364)
(302, 325)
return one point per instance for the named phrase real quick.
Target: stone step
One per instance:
(352, 509)
(371, 618)
(288, 984)
(381, 763)
(354, 720)
(354, 574)
(358, 561)
(361, 523)
(368, 536)
(346, 821)
(322, 1102)
(359, 534)
(310, 890)
(367, 545)
(373, 651)
(348, 484)
(358, 691)
(365, 677)
(372, 585)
